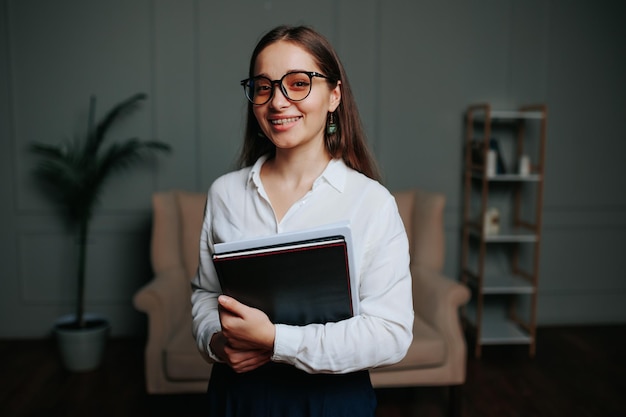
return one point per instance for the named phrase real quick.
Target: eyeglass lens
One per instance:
(295, 86)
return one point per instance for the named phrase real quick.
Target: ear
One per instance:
(335, 97)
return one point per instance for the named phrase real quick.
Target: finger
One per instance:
(231, 305)
(238, 356)
(241, 344)
(249, 361)
(250, 366)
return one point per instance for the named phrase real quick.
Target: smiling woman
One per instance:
(305, 164)
(293, 117)
(345, 137)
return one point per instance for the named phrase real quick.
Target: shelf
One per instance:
(510, 236)
(495, 283)
(496, 329)
(508, 261)
(480, 116)
(508, 177)
(503, 332)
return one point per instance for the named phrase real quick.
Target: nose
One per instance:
(278, 95)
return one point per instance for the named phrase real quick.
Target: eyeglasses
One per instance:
(296, 86)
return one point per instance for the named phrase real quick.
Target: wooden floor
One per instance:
(578, 371)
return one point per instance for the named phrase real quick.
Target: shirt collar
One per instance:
(335, 173)
(254, 175)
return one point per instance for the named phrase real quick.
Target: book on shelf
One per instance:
(296, 278)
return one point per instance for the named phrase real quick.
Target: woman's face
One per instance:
(293, 124)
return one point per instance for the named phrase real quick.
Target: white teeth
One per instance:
(284, 121)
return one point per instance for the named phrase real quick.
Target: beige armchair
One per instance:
(437, 355)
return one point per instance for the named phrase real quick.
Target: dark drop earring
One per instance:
(331, 129)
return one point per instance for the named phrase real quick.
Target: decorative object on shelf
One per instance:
(491, 221)
(492, 158)
(73, 174)
(524, 165)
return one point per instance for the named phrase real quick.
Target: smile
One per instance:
(284, 121)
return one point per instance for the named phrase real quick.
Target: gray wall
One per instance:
(414, 66)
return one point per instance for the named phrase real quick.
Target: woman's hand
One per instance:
(247, 337)
(239, 360)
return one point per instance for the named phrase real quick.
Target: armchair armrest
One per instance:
(437, 300)
(165, 300)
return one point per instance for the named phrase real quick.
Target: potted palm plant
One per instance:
(73, 173)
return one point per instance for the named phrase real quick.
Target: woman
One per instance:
(305, 164)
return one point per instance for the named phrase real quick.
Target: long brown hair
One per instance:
(349, 141)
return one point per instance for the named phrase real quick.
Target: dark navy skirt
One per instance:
(279, 390)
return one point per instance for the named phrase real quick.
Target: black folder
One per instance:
(296, 282)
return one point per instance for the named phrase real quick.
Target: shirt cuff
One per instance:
(212, 357)
(287, 343)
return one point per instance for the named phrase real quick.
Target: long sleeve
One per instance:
(205, 290)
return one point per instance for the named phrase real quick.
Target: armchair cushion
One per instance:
(428, 231)
(191, 208)
(405, 201)
(165, 248)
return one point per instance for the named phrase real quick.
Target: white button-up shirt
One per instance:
(239, 208)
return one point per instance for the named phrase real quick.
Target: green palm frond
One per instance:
(97, 133)
(75, 171)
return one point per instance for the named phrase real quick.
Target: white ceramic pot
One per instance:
(81, 349)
